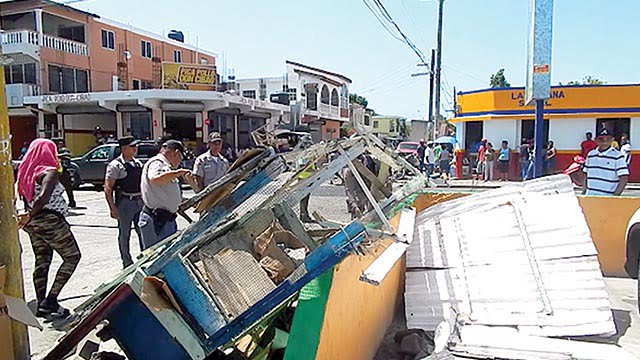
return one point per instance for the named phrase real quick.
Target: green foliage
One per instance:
(357, 99)
(498, 80)
(587, 80)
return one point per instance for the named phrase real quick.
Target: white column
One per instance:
(60, 126)
(157, 121)
(39, 28)
(235, 131)
(119, 125)
(40, 128)
(205, 127)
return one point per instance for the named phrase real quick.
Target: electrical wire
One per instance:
(386, 16)
(388, 76)
(413, 22)
(381, 21)
(408, 41)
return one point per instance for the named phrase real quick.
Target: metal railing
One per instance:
(29, 37)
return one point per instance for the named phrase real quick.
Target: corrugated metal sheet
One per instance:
(517, 256)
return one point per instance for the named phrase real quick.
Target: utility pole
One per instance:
(10, 251)
(438, 69)
(432, 120)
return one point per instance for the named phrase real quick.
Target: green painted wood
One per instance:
(307, 321)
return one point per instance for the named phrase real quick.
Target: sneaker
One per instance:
(49, 308)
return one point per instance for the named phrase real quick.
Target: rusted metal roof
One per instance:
(519, 256)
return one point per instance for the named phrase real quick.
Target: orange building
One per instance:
(56, 49)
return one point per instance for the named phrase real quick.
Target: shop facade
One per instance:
(149, 114)
(570, 112)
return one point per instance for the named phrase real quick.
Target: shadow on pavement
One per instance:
(622, 320)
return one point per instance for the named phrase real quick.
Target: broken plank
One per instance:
(378, 270)
(290, 221)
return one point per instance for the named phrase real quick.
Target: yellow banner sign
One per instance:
(188, 76)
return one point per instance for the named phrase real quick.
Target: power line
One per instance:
(381, 21)
(382, 11)
(412, 20)
(388, 77)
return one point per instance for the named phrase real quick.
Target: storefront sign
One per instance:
(66, 98)
(519, 97)
(538, 81)
(188, 76)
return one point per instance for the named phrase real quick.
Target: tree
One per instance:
(587, 80)
(498, 80)
(357, 99)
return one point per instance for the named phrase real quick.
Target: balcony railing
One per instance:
(28, 37)
(329, 110)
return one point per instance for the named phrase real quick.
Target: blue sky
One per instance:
(591, 37)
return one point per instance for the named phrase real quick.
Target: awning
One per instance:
(157, 99)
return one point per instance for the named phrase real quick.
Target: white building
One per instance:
(319, 99)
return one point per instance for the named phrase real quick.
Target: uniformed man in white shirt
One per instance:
(210, 166)
(161, 193)
(606, 169)
(123, 178)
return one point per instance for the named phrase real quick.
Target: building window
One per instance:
(344, 97)
(20, 74)
(136, 84)
(144, 85)
(293, 94)
(392, 126)
(376, 124)
(68, 80)
(145, 47)
(204, 61)
(527, 130)
(335, 99)
(108, 39)
(324, 95)
(249, 94)
(367, 120)
(177, 56)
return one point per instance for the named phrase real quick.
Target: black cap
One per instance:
(174, 145)
(128, 140)
(604, 132)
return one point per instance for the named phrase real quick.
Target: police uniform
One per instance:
(128, 200)
(161, 201)
(211, 167)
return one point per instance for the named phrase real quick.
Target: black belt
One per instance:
(127, 196)
(160, 217)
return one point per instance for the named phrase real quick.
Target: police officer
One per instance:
(123, 177)
(161, 193)
(211, 165)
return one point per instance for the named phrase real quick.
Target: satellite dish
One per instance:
(127, 54)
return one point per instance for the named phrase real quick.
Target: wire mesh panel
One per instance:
(236, 280)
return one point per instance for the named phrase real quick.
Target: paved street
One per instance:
(96, 233)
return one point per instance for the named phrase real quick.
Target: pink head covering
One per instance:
(41, 156)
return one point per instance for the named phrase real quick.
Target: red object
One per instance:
(575, 170)
(206, 122)
(155, 122)
(407, 147)
(459, 157)
(587, 146)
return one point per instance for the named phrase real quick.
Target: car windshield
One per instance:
(408, 146)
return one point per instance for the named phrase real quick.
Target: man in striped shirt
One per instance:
(606, 168)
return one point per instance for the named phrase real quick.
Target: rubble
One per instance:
(512, 273)
(221, 284)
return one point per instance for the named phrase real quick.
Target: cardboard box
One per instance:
(12, 309)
